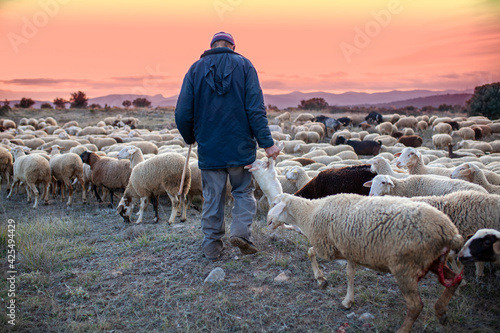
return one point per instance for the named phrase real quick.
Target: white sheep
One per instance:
(65, 168)
(158, 175)
(381, 166)
(418, 185)
(469, 211)
(32, 170)
(413, 160)
(132, 153)
(468, 144)
(392, 235)
(299, 176)
(472, 173)
(6, 166)
(441, 141)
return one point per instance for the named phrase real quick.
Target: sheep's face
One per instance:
(483, 246)
(277, 214)
(292, 174)
(126, 153)
(462, 172)
(407, 158)
(125, 209)
(380, 185)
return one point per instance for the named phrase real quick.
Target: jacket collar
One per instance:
(217, 50)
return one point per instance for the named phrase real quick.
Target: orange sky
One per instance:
(51, 48)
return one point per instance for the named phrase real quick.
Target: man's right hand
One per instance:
(272, 151)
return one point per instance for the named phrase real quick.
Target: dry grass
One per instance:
(83, 270)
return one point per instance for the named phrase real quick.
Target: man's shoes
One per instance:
(246, 247)
(214, 250)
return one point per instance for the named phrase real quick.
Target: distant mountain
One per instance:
(435, 101)
(355, 98)
(417, 98)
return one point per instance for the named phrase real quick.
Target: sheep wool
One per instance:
(386, 234)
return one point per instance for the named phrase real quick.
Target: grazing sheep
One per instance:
(107, 172)
(361, 147)
(441, 141)
(413, 160)
(282, 118)
(466, 133)
(422, 125)
(102, 142)
(410, 122)
(32, 170)
(333, 181)
(384, 128)
(469, 211)
(472, 173)
(418, 185)
(374, 118)
(411, 140)
(394, 235)
(304, 117)
(443, 128)
(158, 175)
(132, 153)
(483, 246)
(6, 166)
(64, 168)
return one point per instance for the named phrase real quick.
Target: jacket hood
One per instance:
(218, 68)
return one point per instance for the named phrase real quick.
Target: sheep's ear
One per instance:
(466, 172)
(278, 209)
(496, 247)
(368, 184)
(397, 154)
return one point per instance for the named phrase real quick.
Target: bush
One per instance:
(46, 106)
(26, 103)
(485, 101)
(78, 100)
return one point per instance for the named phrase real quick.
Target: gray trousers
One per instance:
(214, 195)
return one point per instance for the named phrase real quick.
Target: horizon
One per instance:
(56, 47)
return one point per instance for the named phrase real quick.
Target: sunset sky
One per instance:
(51, 48)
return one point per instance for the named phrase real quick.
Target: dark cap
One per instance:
(222, 36)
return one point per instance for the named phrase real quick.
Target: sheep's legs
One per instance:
(318, 275)
(12, 188)
(36, 193)
(84, 192)
(140, 213)
(183, 208)
(98, 197)
(154, 201)
(409, 288)
(175, 207)
(351, 272)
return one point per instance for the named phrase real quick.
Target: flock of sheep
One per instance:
(371, 194)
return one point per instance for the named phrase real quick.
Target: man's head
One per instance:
(222, 39)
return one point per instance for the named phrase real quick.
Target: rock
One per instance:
(281, 277)
(351, 315)
(217, 274)
(366, 317)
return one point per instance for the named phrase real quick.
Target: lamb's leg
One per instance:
(479, 270)
(14, 182)
(154, 201)
(67, 183)
(45, 195)
(175, 206)
(351, 272)
(318, 274)
(36, 193)
(409, 288)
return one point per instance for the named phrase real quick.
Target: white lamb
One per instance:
(412, 159)
(32, 170)
(472, 173)
(381, 166)
(418, 185)
(387, 234)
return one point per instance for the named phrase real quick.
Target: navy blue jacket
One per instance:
(221, 107)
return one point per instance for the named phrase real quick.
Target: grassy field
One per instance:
(81, 269)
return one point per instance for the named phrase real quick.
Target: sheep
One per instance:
(422, 126)
(132, 153)
(145, 146)
(483, 146)
(412, 159)
(418, 185)
(102, 142)
(483, 246)
(384, 128)
(304, 117)
(361, 147)
(333, 181)
(149, 179)
(411, 140)
(381, 166)
(107, 172)
(299, 176)
(32, 170)
(472, 173)
(443, 128)
(466, 133)
(64, 168)
(282, 118)
(410, 122)
(469, 211)
(6, 166)
(394, 235)
(441, 141)
(374, 118)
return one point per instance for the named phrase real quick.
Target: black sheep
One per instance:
(411, 141)
(368, 147)
(374, 118)
(334, 181)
